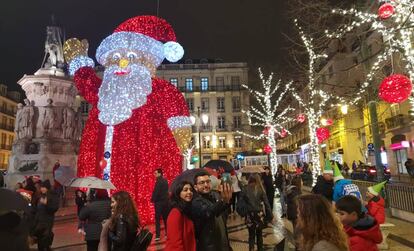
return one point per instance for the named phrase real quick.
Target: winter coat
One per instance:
(280, 181)
(376, 208)
(208, 215)
(80, 203)
(160, 193)
(94, 213)
(268, 184)
(122, 236)
(256, 200)
(324, 188)
(364, 235)
(324, 246)
(181, 232)
(291, 194)
(45, 214)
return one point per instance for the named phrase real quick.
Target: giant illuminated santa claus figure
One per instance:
(138, 123)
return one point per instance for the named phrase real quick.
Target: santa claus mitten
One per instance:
(79, 62)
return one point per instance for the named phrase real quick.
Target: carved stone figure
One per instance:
(78, 125)
(17, 123)
(26, 120)
(68, 122)
(53, 47)
(48, 118)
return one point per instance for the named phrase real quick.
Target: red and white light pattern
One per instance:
(395, 88)
(323, 134)
(386, 10)
(301, 118)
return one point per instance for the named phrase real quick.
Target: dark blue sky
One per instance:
(234, 30)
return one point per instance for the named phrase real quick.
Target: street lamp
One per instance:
(201, 119)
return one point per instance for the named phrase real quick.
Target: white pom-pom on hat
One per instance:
(173, 51)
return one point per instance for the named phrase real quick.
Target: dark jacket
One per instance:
(324, 188)
(14, 231)
(255, 200)
(160, 193)
(94, 213)
(45, 214)
(268, 184)
(123, 235)
(364, 234)
(291, 194)
(211, 231)
(280, 181)
(80, 203)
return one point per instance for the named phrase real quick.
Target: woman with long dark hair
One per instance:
(292, 192)
(123, 223)
(268, 185)
(318, 227)
(256, 218)
(181, 234)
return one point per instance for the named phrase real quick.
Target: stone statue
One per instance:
(48, 118)
(78, 125)
(53, 47)
(18, 127)
(26, 120)
(68, 122)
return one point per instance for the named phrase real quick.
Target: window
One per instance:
(235, 80)
(174, 81)
(206, 142)
(236, 104)
(222, 142)
(395, 110)
(84, 107)
(221, 122)
(204, 84)
(401, 157)
(3, 139)
(220, 83)
(238, 141)
(220, 104)
(190, 104)
(189, 84)
(204, 104)
(237, 122)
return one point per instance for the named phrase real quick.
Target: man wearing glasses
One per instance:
(208, 214)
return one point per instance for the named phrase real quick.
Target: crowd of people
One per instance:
(195, 212)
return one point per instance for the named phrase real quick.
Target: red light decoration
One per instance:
(329, 122)
(267, 149)
(103, 163)
(266, 130)
(322, 134)
(386, 10)
(301, 118)
(395, 88)
(283, 133)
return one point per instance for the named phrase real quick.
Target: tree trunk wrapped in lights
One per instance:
(269, 115)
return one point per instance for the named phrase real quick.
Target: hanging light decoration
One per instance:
(283, 133)
(395, 88)
(266, 130)
(322, 133)
(267, 149)
(301, 118)
(386, 10)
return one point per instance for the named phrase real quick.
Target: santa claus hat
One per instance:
(150, 36)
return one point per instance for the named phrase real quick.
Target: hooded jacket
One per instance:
(324, 188)
(364, 235)
(376, 208)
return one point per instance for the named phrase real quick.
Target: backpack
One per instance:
(142, 240)
(351, 189)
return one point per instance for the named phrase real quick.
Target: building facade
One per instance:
(215, 98)
(8, 108)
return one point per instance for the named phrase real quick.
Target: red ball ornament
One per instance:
(267, 149)
(386, 10)
(266, 130)
(301, 118)
(102, 163)
(329, 122)
(395, 88)
(322, 134)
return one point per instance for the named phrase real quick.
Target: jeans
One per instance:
(161, 210)
(234, 199)
(255, 234)
(282, 201)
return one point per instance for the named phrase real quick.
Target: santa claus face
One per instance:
(125, 86)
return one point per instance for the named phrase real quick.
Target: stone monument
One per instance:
(46, 125)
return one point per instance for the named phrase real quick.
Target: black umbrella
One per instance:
(11, 200)
(219, 164)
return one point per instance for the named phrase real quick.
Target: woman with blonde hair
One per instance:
(318, 228)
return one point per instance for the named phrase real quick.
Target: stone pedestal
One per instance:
(47, 129)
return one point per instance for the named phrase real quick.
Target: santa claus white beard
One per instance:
(120, 94)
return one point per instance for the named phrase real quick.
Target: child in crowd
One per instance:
(375, 203)
(363, 230)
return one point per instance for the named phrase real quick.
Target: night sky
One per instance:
(234, 30)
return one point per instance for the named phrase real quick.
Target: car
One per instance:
(368, 173)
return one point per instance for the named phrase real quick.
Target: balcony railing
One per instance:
(211, 88)
(7, 127)
(5, 147)
(396, 121)
(7, 111)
